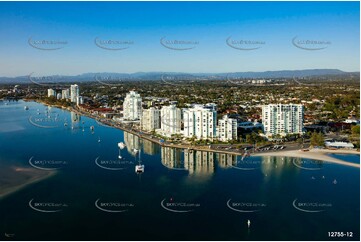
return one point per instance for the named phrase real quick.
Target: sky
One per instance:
(262, 36)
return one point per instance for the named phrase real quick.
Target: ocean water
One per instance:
(182, 194)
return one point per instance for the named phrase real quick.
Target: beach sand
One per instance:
(316, 154)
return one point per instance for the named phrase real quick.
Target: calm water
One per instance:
(182, 195)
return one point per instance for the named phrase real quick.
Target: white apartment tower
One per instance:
(79, 100)
(74, 93)
(227, 129)
(282, 119)
(51, 92)
(171, 118)
(200, 121)
(132, 106)
(150, 120)
(65, 94)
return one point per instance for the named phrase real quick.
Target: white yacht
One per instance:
(121, 145)
(246, 154)
(139, 168)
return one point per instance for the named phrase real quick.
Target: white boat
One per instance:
(119, 156)
(91, 128)
(139, 168)
(246, 154)
(99, 140)
(65, 124)
(26, 108)
(121, 145)
(249, 223)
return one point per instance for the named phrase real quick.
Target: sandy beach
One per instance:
(316, 154)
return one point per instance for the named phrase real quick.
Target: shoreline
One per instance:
(317, 154)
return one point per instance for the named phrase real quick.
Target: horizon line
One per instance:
(216, 73)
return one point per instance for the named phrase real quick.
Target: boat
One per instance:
(139, 168)
(249, 223)
(65, 124)
(99, 140)
(246, 154)
(26, 108)
(91, 128)
(334, 182)
(121, 145)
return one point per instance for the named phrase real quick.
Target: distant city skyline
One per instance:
(70, 38)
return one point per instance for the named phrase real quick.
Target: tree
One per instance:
(317, 139)
(249, 138)
(355, 130)
(300, 142)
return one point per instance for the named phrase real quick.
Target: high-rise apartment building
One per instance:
(282, 119)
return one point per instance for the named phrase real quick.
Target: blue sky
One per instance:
(274, 24)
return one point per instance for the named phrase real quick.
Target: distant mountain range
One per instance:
(169, 76)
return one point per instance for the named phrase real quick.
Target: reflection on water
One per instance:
(132, 143)
(150, 148)
(172, 158)
(273, 165)
(75, 118)
(199, 162)
(204, 162)
(193, 161)
(226, 160)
